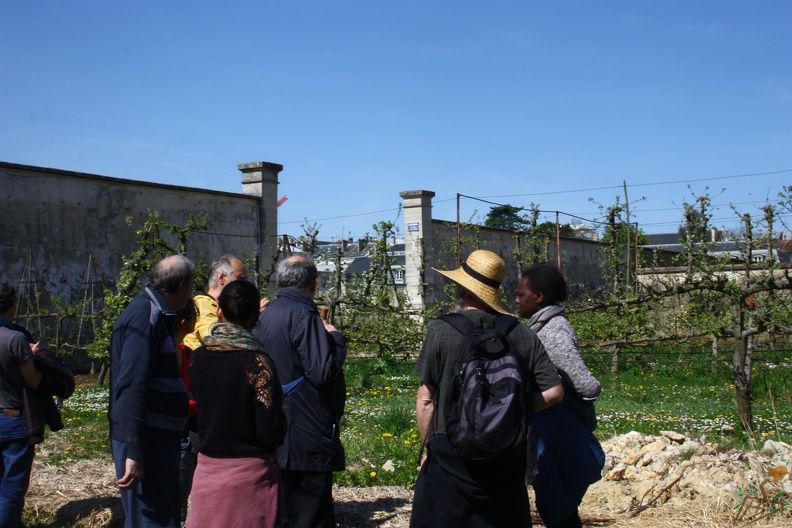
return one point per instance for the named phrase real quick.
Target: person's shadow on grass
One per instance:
(105, 511)
(362, 513)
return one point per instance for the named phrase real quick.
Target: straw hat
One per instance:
(481, 275)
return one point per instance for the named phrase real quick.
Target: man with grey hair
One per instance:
(227, 268)
(148, 401)
(309, 354)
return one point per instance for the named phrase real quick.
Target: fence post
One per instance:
(615, 360)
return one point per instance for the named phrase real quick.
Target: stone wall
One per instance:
(431, 243)
(64, 230)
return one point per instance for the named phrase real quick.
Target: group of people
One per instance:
(235, 401)
(561, 457)
(226, 398)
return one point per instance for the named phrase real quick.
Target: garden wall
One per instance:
(431, 243)
(63, 230)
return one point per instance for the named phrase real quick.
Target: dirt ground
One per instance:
(85, 495)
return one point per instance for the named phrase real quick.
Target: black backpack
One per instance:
(486, 416)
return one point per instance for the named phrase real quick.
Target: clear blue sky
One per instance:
(515, 101)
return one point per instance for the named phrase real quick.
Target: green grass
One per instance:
(381, 439)
(378, 429)
(86, 432)
(696, 399)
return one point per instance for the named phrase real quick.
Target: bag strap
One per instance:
(506, 323)
(461, 324)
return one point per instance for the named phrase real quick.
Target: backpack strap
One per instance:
(503, 323)
(461, 324)
(506, 323)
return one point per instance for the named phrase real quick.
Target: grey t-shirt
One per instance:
(14, 350)
(435, 365)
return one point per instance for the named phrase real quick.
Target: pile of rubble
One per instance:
(642, 471)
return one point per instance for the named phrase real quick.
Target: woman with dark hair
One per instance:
(239, 401)
(569, 457)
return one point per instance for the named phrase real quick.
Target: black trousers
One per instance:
(307, 499)
(443, 501)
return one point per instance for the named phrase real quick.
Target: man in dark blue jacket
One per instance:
(308, 354)
(148, 401)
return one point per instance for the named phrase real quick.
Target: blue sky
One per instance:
(513, 101)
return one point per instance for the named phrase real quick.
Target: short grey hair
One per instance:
(222, 266)
(167, 274)
(298, 272)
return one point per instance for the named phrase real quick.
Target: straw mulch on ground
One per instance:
(85, 495)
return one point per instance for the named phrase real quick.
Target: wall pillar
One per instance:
(418, 235)
(260, 178)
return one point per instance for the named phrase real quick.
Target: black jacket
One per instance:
(293, 334)
(39, 404)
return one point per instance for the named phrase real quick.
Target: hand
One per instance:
(133, 473)
(35, 347)
(328, 326)
(263, 303)
(423, 459)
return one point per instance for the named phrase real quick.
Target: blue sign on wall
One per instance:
(412, 227)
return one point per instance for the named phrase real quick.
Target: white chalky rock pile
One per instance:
(638, 468)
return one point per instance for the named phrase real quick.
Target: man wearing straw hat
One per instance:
(451, 491)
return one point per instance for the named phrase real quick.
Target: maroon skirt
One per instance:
(234, 492)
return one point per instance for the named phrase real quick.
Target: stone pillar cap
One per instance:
(416, 194)
(255, 165)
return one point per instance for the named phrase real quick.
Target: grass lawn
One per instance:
(381, 438)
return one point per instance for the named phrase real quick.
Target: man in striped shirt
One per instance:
(148, 401)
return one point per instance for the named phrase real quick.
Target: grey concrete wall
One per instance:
(55, 222)
(433, 245)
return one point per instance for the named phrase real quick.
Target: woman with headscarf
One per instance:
(239, 401)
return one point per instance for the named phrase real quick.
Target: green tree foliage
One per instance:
(506, 217)
(704, 296)
(155, 239)
(370, 310)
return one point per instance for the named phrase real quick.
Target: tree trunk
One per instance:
(742, 384)
(615, 360)
(102, 373)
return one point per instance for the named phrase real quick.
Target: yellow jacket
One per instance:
(207, 316)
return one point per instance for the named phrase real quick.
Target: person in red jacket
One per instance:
(185, 324)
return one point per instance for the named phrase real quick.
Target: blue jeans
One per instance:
(154, 501)
(15, 464)
(186, 471)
